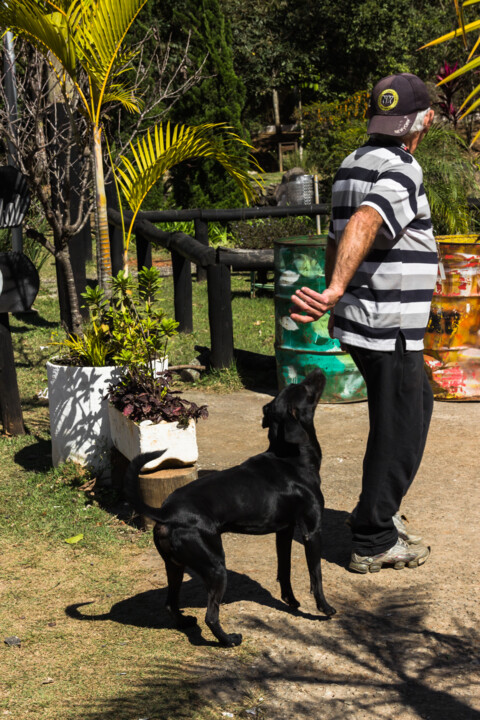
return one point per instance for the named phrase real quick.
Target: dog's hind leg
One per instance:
(216, 581)
(175, 574)
(284, 562)
(210, 564)
(175, 578)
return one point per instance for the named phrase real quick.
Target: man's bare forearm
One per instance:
(355, 244)
(340, 265)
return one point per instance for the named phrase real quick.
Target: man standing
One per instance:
(381, 269)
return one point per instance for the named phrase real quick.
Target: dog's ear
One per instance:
(266, 415)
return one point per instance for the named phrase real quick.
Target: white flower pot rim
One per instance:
(132, 439)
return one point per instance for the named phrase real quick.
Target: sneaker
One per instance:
(403, 532)
(397, 557)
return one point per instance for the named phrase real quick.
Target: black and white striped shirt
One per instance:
(393, 287)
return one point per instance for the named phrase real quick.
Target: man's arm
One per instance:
(355, 244)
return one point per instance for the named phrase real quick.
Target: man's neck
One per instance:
(410, 142)
(413, 140)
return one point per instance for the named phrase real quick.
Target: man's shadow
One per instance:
(337, 537)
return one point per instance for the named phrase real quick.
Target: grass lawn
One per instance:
(123, 665)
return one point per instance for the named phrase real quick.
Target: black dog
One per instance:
(269, 493)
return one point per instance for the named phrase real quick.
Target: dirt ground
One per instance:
(404, 644)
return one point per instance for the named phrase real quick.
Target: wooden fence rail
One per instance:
(213, 264)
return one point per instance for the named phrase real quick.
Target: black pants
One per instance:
(400, 405)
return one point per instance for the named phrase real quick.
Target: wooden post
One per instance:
(115, 233)
(144, 251)
(116, 248)
(201, 234)
(10, 407)
(182, 292)
(220, 315)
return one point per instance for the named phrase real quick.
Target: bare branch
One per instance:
(170, 84)
(51, 145)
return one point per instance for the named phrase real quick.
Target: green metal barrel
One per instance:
(299, 348)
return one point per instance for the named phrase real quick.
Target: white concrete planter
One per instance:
(131, 439)
(79, 414)
(79, 423)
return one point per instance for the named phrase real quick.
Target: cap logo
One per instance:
(387, 100)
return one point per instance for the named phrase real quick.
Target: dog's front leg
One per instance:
(284, 562)
(313, 553)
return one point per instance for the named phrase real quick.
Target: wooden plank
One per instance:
(247, 259)
(115, 232)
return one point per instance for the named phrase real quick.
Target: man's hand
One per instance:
(313, 304)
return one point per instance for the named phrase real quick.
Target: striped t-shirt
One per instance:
(392, 290)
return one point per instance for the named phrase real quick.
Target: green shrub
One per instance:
(332, 131)
(449, 176)
(129, 329)
(257, 234)
(217, 233)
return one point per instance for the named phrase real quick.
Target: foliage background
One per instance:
(219, 97)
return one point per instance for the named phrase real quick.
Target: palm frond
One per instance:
(472, 63)
(470, 27)
(162, 148)
(48, 31)
(99, 29)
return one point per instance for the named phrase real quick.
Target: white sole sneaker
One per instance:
(401, 555)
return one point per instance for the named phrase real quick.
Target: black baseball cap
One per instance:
(394, 104)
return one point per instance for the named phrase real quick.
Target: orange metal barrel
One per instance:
(452, 340)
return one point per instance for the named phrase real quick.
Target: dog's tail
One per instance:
(131, 484)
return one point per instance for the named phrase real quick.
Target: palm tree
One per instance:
(84, 35)
(83, 42)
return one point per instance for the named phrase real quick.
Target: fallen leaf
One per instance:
(74, 539)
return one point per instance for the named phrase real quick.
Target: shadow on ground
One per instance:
(392, 665)
(147, 609)
(257, 372)
(36, 457)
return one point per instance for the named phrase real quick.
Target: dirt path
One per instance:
(403, 644)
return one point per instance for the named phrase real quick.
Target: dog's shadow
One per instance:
(147, 609)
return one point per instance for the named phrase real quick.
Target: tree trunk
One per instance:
(276, 110)
(71, 317)
(104, 262)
